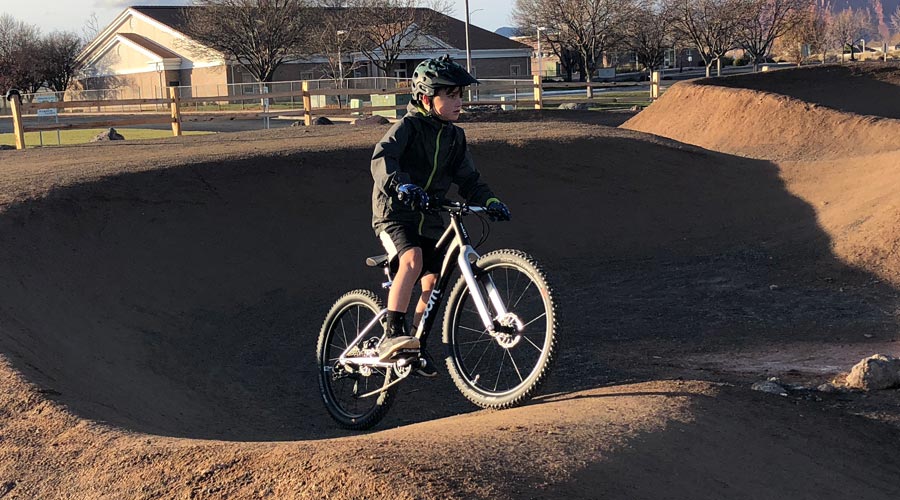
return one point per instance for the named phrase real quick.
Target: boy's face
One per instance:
(447, 103)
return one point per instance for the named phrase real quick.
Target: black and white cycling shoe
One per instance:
(394, 347)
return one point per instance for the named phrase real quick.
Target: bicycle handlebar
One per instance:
(456, 207)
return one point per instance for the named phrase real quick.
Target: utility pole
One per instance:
(468, 50)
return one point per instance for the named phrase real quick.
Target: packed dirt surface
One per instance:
(161, 302)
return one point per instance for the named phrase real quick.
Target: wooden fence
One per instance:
(174, 103)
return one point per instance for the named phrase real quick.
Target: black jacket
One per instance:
(430, 153)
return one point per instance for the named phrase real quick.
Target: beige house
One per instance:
(145, 50)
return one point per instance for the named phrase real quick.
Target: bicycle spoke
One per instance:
(344, 332)
(479, 359)
(473, 348)
(475, 341)
(473, 329)
(511, 358)
(499, 371)
(532, 343)
(522, 295)
(535, 319)
(507, 286)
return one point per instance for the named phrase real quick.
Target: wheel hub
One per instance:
(508, 335)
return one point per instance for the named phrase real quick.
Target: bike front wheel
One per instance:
(502, 371)
(344, 387)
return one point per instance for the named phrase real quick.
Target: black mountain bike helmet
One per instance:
(433, 74)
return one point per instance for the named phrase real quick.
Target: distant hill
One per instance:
(880, 10)
(509, 31)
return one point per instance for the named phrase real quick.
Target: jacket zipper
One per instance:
(437, 149)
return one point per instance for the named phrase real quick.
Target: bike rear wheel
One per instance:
(502, 371)
(342, 386)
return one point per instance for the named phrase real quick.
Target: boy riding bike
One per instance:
(416, 161)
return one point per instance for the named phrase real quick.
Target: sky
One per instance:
(72, 15)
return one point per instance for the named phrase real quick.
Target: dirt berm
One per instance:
(159, 304)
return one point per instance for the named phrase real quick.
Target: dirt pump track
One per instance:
(160, 303)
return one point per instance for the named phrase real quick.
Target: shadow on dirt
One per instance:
(722, 451)
(846, 88)
(186, 301)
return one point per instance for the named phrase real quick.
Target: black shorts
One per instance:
(398, 238)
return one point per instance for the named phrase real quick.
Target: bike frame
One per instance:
(456, 247)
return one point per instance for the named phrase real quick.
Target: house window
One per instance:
(400, 73)
(306, 75)
(513, 70)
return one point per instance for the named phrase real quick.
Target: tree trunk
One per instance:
(718, 66)
(590, 90)
(708, 69)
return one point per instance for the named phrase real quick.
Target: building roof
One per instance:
(174, 17)
(454, 29)
(149, 45)
(479, 38)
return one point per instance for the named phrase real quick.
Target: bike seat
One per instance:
(377, 261)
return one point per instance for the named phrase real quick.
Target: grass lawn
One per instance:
(32, 139)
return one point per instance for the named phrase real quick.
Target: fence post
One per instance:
(307, 104)
(15, 100)
(654, 85)
(538, 92)
(176, 111)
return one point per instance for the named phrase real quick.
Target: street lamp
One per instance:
(340, 33)
(468, 50)
(540, 54)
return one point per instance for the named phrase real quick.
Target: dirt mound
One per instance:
(841, 162)
(720, 114)
(159, 304)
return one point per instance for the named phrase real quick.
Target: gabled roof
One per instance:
(174, 17)
(479, 38)
(455, 30)
(149, 45)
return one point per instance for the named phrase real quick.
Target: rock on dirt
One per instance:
(322, 121)
(109, 135)
(371, 120)
(874, 373)
(830, 388)
(769, 386)
(576, 106)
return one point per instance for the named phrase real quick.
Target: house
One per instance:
(145, 49)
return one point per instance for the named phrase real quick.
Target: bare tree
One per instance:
(847, 27)
(590, 27)
(59, 59)
(894, 24)
(260, 35)
(528, 17)
(19, 47)
(91, 29)
(711, 25)
(764, 21)
(808, 36)
(649, 33)
(332, 38)
(383, 30)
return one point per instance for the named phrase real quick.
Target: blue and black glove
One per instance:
(413, 196)
(497, 210)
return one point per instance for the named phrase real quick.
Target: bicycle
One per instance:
(499, 331)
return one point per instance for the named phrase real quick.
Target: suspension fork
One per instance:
(466, 259)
